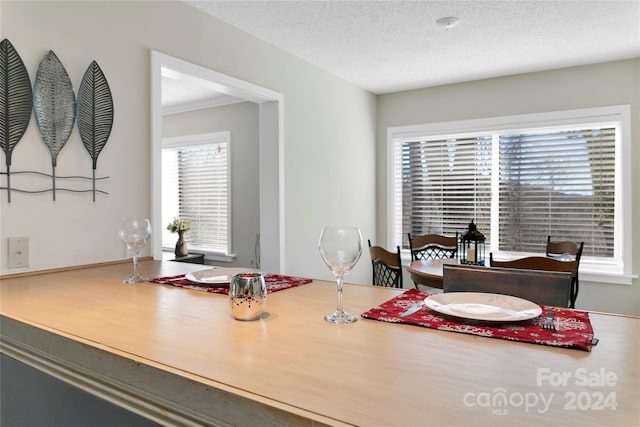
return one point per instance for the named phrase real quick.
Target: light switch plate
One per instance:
(18, 252)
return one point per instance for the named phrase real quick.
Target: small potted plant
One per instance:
(180, 226)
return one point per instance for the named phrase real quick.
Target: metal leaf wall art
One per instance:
(54, 103)
(54, 106)
(15, 102)
(94, 113)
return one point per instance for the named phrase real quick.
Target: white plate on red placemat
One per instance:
(483, 306)
(216, 277)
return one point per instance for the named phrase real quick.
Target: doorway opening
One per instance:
(271, 156)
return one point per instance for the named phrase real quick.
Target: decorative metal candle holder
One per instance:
(247, 296)
(471, 246)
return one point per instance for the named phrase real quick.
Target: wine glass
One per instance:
(134, 233)
(340, 248)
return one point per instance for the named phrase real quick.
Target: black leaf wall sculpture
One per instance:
(16, 102)
(54, 106)
(94, 113)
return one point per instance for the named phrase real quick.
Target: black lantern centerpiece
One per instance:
(471, 246)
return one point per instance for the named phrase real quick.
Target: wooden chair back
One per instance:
(541, 287)
(546, 264)
(537, 263)
(387, 266)
(555, 249)
(432, 246)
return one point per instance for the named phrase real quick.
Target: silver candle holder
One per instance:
(247, 296)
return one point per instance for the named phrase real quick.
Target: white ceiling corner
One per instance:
(183, 92)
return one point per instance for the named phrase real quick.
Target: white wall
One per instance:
(598, 85)
(329, 129)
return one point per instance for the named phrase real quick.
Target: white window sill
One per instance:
(208, 256)
(606, 277)
(219, 257)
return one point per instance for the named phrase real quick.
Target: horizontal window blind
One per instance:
(559, 183)
(446, 184)
(196, 188)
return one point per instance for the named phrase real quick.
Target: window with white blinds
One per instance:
(559, 183)
(196, 187)
(520, 179)
(446, 183)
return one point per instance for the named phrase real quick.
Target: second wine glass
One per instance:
(134, 233)
(340, 248)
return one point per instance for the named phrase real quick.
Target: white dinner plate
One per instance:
(216, 277)
(483, 306)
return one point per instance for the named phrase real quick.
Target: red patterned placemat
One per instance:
(274, 283)
(573, 327)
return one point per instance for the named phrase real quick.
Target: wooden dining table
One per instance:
(176, 356)
(428, 272)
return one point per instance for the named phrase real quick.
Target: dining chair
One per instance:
(540, 287)
(545, 264)
(558, 250)
(387, 266)
(432, 246)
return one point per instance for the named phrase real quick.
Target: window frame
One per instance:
(590, 269)
(206, 139)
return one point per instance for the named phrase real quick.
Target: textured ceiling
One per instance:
(389, 46)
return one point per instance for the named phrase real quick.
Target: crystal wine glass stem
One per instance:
(135, 263)
(339, 280)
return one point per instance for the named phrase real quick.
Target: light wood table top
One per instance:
(369, 373)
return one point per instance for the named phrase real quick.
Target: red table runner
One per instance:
(573, 327)
(274, 283)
